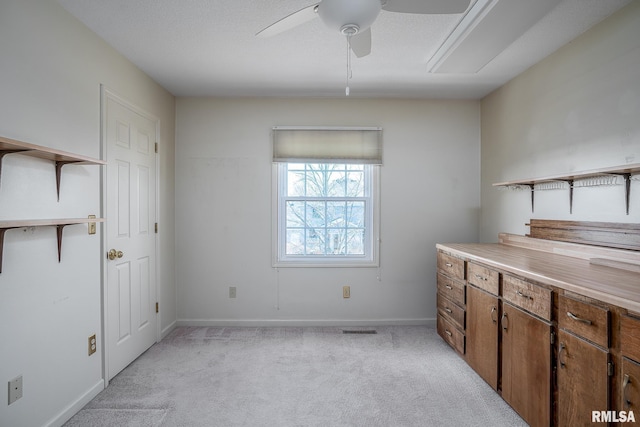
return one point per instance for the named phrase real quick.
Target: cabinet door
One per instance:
(526, 365)
(482, 334)
(583, 381)
(630, 394)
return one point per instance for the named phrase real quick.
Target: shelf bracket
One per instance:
(2, 231)
(570, 181)
(59, 229)
(627, 194)
(59, 165)
(533, 196)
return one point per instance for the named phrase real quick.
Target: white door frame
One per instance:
(106, 93)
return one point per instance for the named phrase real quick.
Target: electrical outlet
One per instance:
(232, 291)
(93, 345)
(15, 389)
(346, 292)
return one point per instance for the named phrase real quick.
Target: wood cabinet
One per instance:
(451, 296)
(526, 365)
(629, 386)
(482, 334)
(553, 327)
(583, 380)
(583, 360)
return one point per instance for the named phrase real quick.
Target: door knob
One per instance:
(113, 254)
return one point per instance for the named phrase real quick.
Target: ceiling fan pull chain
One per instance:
(348, 63)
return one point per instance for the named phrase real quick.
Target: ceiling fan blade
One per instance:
(425, 6)
(361, 43)
(288, 22)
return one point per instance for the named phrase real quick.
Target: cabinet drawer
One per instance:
(583, 319)
(451, 266)
(483, 277)
(533, 298)
(630, 337)
(451, 289)
(451, 311)
(451, 334)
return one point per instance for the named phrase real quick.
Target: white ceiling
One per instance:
(209, 48)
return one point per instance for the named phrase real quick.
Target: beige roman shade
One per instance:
(345, 144)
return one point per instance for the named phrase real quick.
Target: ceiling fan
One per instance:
(353, 18)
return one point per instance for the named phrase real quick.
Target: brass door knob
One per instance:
(113, 254)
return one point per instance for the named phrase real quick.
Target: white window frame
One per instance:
(372, 225)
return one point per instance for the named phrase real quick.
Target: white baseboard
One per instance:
(305, 322)
(166, 331)
(76, 406)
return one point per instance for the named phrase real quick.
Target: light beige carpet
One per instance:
(210, 376)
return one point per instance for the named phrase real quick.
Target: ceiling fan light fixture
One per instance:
(338, 14)
(350, 30)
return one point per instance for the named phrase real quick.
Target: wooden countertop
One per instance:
(611, 285)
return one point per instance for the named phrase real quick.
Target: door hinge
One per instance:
(157, 307)
(156, 227)
(610, 369)
(156, 147)
(553, 338)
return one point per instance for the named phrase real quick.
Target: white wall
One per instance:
(430, 194)
(50, 76)
(578, 109)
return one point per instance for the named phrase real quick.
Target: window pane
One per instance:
(295, 214)
(315, 214)
(337, 240)
(315, 242)
(336, 214)
(315, 181)
(355, 241)
(295, 183)
(355, 214)
(355, 184)
(336, 179)
(295, 242)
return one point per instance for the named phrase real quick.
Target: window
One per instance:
(326, 211)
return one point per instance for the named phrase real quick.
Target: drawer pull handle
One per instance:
(448, 332)
(481, 277)
(448, 310)
(448, 287)
(562, 347)
(505, 322)
(625, 383)
(519, 293)
(449, 265)
(578, 319)
(493, 310)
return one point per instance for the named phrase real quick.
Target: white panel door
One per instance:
(131, 325)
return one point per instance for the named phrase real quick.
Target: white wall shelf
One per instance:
(60, 158)
(626, 171)
(58, 223)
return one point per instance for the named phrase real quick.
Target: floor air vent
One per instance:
(370, 331)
